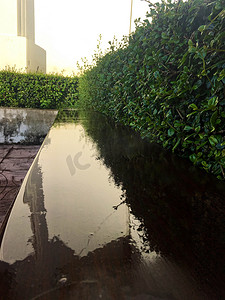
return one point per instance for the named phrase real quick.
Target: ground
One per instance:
(15, 161)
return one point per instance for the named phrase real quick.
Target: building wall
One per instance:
(8, 17)
(17, 37)
(30, 30)
(13, 52)
(25, 18)
(27, 57)
(36, 58)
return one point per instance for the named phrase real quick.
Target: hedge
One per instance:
(167, 80)
(37, 90)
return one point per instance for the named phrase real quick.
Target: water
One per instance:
(103, 214)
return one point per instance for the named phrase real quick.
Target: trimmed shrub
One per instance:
(37, 90)
(167, 80)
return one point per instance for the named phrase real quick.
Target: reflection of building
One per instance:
(17, 37)
(53, 270)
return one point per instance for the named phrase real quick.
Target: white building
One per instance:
(17, 37)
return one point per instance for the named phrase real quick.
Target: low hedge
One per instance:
(167, 80)
(37, 90)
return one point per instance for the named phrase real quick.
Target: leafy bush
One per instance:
(167, 80)
(37, 90)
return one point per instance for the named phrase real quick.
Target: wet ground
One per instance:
(21, 133)
(103, 214)
(15, 161)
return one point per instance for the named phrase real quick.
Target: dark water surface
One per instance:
(25, 126)
(103, 214)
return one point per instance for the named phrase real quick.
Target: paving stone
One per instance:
(22, 153)
(16, 164)
(15, 161)
(4, 150)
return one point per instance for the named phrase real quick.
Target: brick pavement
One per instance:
(15, 161)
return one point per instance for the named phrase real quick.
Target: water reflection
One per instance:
(70, 221)
(59, 219)
(180, 208)
(27, 126)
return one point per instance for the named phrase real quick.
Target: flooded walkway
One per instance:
(103, 214)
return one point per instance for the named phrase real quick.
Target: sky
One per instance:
(68, 30)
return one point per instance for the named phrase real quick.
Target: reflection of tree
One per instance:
(107, 271)
(181, 208)
(66, 116)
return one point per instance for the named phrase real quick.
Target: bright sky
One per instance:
(68, 30)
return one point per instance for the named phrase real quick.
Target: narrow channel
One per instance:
(103, 214)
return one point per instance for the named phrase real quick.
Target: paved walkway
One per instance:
(15, 161)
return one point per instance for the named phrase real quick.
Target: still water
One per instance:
(103, 214)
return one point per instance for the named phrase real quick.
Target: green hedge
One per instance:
(167, 80)
(37, 90)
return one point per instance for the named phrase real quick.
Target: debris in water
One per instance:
(63, 280)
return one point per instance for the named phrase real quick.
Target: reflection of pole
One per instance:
(131, 10)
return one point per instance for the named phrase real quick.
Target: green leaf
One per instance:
(193, 106)
(191, 114)
(165, 143)
(204, 163)
(156, 74)
(201, 145)
(197, 85)
(177, 143)
(163, 35)
(188, 128)
(202, 28)
(218, 6)
(193, 158)
(187, 137)
(171, 132)
(213, 120)
(178, 124)
(213, 101)
(213, 140)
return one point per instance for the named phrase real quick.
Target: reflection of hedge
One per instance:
(180, 206)
(67, 116)
(37, 90)
(168, 81)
